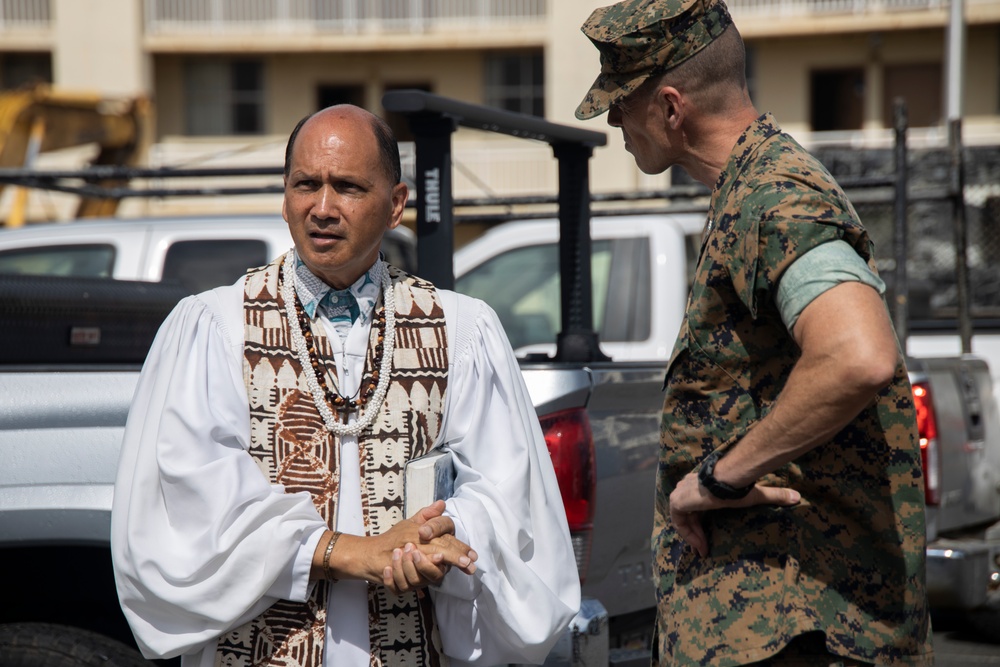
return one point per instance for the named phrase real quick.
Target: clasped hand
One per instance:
(419, 551)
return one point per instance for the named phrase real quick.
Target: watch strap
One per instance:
(721, 490)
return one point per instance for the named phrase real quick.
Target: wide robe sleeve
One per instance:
(506, 505)
(201, 540)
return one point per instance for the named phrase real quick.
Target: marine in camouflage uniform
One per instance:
(847, 560)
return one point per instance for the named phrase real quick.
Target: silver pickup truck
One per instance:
(62, 409)
(959, 427)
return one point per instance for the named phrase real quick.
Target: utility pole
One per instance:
(954, 94)
(901, 305)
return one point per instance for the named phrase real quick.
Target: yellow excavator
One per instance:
(39, 119)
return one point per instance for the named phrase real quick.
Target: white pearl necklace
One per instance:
(366, 415)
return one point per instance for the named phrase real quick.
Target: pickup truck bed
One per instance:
(962, 461)
(623, 404)
(61, 423)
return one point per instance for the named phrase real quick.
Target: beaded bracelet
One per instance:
(327, 572)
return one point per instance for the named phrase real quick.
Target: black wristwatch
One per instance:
(721, 490)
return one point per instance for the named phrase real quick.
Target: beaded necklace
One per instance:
(374, 389)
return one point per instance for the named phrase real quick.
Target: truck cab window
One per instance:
(85, 261)
(202, 265)
(522, 286)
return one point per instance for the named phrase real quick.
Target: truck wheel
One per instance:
(49, 645)
(986, 623)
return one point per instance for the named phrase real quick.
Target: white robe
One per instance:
(202, 542)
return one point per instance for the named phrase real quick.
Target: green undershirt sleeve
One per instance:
(825, 266)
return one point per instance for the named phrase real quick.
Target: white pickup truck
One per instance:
(637, 316)
(640, 273)
(61, 422)
(198, 252)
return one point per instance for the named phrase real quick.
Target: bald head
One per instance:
(388, 148)
(339, 200)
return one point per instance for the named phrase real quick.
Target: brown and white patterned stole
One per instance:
(292, 447)
(403, 631)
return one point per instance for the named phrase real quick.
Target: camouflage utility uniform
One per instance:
(848, 560)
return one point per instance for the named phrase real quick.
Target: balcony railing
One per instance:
(483, 168)
(18, 14)
(360, 16)
(335, 16)
(773, 8)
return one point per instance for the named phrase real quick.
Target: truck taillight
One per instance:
(929, 453)
(571, 446)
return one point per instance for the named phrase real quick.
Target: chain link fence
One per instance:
(932, 285)
(930, 226)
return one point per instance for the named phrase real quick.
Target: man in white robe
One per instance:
(203, 542)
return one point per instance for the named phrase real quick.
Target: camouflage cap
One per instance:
(640, 38)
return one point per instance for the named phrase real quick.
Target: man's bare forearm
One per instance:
(849, 354)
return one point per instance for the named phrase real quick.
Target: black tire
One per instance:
(48, 645)
(986, 623)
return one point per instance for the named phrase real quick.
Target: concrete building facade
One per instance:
(229, 78)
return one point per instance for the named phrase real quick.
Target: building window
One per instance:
(18, 70)
(516, 82)
(919, 85)
(224, 97)
(328, 96)
(837, 99)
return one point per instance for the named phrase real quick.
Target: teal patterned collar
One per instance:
(345, 305)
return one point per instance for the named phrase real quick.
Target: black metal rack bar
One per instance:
(433, 119)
